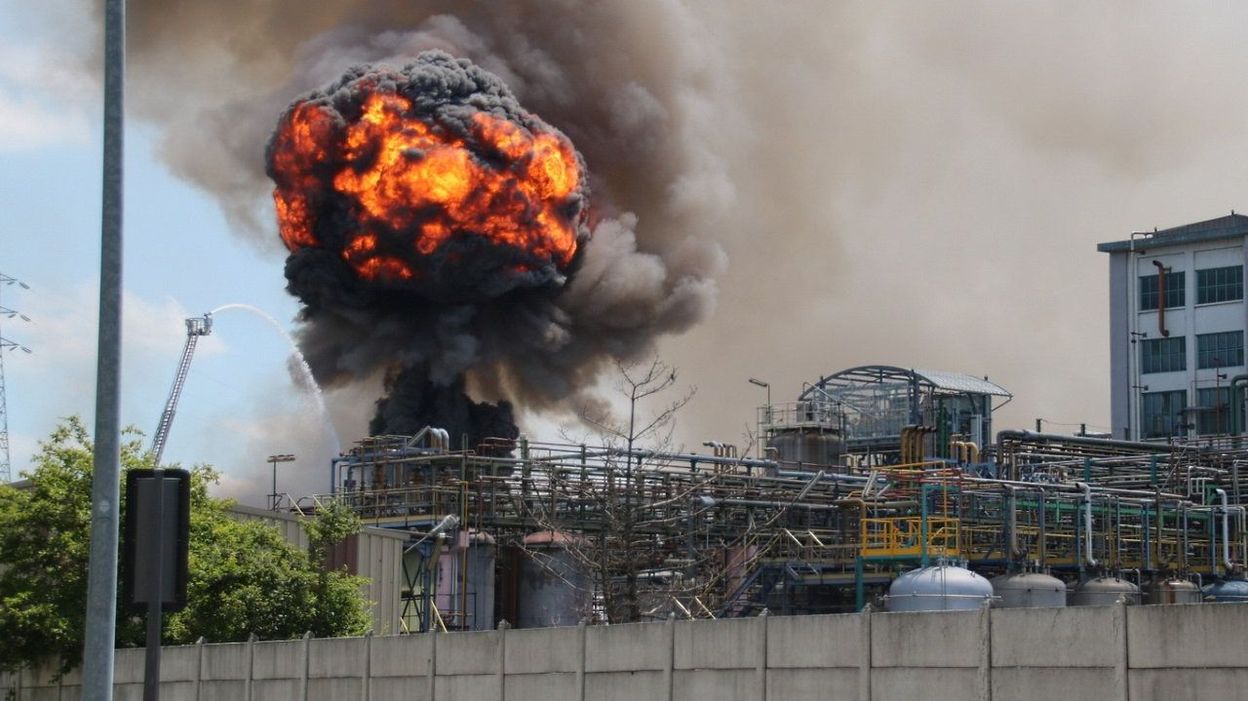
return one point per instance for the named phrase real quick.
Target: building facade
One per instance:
(1177, 323)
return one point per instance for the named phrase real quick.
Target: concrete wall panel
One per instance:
(814, 641)
(225, 661)
(537, 650)
(1081, 636)
(931, 639)
(222, 691)
(894, 683)
(625, 686)
(339, 689)
(1170, 684)
(394, 688)
(468, 653)
(401, 656)
(277, 689)
(718, 684)
(466, 687)
(278, 660)
(338, 657)
(634, 646)
(727, 644)
(823, 684)
(1166, 636)
(128, 666)
(558, 686)
(1065, 683)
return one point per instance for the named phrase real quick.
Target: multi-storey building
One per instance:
(1177, 320)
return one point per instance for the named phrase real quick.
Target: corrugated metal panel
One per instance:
(959, 382)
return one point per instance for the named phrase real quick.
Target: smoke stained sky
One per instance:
(889, 182)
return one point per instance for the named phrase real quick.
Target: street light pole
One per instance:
(274, 460)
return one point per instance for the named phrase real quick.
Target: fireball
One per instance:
(418, 187)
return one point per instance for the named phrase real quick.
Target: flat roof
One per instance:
(1231, 226)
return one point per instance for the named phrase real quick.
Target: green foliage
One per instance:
(243, 576)
(334, 590)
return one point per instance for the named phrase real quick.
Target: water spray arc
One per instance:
(305, 372)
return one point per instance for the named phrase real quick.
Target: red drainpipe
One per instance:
(1161, 299)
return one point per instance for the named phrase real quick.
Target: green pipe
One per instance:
(860, 592)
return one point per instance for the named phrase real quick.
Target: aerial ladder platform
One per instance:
(196, 326)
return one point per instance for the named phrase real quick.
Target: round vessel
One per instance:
(1029, 590)
(938, 588)
(1105, 591)
(555, 587)
(1226, 590)
(1175, 591)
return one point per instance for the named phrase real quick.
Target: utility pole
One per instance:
(6, 470)
(101, 614)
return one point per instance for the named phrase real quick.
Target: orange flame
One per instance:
(412, 186)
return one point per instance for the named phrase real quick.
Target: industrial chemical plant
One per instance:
(878, 484)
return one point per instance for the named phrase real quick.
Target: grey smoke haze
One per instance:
(919, 184)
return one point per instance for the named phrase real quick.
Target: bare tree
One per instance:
(623, 516)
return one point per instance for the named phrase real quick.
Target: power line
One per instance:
(6, 471)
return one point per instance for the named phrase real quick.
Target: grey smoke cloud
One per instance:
(919, 184)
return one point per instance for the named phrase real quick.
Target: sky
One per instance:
(896, 183)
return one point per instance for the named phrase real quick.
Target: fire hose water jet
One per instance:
(306, 379)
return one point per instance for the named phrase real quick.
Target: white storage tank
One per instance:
(939, 587)
(1029, 590)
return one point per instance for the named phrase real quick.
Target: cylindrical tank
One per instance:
(1174, 591)
(1104, 591)
(467, 603)
(938, 588)
(555, 587)
(806, 447)
(1227, 590)
(1029, 590)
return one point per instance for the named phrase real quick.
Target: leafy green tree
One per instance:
(243, 576)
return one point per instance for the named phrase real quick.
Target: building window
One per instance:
(1175, 296)
(1219, 350)
(1219, 284)
(1214, 410)
(1163, 355)
(1161, 413)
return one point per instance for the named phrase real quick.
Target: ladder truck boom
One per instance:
(196, 326)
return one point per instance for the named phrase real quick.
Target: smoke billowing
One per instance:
(914, 184)
(425, 199)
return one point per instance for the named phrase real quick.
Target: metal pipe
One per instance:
(1032, 436)
(1237, 403)
(1013, 522)
(1226, 531)
(1087, 520)
(1161, 299)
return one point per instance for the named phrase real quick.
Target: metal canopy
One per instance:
(888, 374)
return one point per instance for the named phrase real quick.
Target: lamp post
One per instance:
(274, 460)
(766, 386)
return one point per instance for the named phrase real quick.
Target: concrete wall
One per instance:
(1149, 653)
